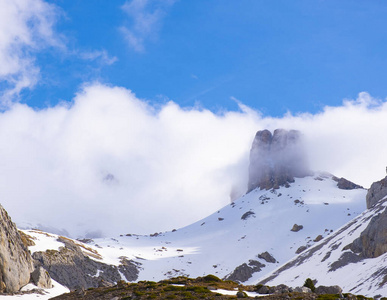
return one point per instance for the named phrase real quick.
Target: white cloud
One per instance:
(146, 17)
(25, 27)
(98, 55)
(112, 163)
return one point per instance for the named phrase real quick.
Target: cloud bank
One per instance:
(110, 163)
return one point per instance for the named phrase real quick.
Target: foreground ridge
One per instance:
(207, 287)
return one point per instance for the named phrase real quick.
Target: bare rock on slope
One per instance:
(376, 192)
(243, 272)
(16, 263)
(345, 184)
(70, 267)
(275, 159)
(373, 240)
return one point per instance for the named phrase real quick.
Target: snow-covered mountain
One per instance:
(354, 256)
(293, 224)
(242, 241)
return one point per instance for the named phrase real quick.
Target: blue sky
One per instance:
(273, 56)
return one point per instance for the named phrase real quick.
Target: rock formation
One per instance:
(243, 272)
(275, 159)
(345, 184)
(373, 240)
(16, 263)
(377, 191)
(70, 267)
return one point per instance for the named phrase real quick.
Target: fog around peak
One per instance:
(111, 163)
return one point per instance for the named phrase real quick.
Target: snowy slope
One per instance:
(224, 240)
(331, 263)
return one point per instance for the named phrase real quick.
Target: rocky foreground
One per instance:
(208, 287)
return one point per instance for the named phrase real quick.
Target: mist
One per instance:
(108, 163)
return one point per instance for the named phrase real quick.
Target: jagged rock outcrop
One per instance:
(70, 267)
(276, 159)
(267, 257)
(243, 272)
(345, 184)
(16, 263)
(376, 192)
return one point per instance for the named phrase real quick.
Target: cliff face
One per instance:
(275, 159)
(16, 263)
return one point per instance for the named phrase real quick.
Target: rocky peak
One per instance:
(275, 159)
(16, 263)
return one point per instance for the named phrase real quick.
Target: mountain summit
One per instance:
(275, 159)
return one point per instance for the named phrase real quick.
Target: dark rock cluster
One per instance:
(243, 272)
(345, 184)
(276, 159)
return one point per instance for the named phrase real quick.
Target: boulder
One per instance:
(281, 289)
(241, 294)
(263, 290)
(334, 289)
(376, 192)
(302, 289)
(41, 278)
(267, 257)
(275, 159)
(300, 249)
(296, 228)
(16, 263)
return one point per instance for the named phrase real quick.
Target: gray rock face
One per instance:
(16, 263)
(345, 184)
(334, 289)
(377, 191)
(72, 268)
(41, 278)
(275, 159)
(373, 240)
(267, 257)
(243, 272)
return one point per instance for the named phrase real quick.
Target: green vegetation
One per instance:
(211, 278)
(180, 288)
(309, 283)
(328, 297)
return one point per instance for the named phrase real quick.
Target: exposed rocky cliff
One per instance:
(275, 159)
(372, 242)
(72, 268)
(377, 191)
(16, 263)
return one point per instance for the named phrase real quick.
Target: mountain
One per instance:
(288, 211)
(354, 256)
(284, 230)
